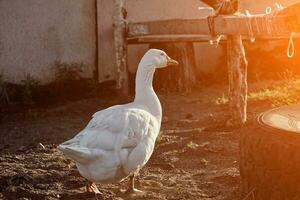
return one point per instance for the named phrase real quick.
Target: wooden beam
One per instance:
(168, 38)
(279, 23)
(148, 39)
(168, 27)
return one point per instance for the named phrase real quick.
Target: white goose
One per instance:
(118, 141)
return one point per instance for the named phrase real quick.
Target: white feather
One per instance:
(119, 140)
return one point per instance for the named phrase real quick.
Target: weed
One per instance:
(222, 100)
(204, 162)
(93, 87)
(29, 88)
(60, 159)
(68, 84)
(287, 76)
(4, 98)
(283, 94)
(192, 145)
(65, 72)
(67, 77)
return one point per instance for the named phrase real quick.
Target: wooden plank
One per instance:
(168, 38)
(147, 39)
(275, 24)
(176, 26)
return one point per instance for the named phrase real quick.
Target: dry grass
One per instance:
(281, 94)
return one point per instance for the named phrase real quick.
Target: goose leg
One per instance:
(91, 187)
(131, 189)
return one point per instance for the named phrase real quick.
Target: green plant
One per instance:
(285, 93)
(65, 72)
(29, 87)
(60, 159)
(192, 145)
(222, 100)
(93, 87)
(4, 98)
(66, 75)
(288, 76)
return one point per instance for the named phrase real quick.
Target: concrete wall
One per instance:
(36, 33)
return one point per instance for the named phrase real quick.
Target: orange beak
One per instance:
(171, 62)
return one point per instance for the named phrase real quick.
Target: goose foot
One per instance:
(131, 189)
(91, 187)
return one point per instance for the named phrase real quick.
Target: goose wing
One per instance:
(109, 130)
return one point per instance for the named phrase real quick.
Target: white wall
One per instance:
(36, 33)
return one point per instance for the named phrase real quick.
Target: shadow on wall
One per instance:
(69, 84)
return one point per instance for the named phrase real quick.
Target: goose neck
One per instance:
(144, 92)
(144, 78)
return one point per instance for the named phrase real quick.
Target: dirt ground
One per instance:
(196, 156)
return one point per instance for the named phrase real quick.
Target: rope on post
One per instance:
(269, 20)
(211, 27)
(219, 38)
(268, 10)
(250, 28)
(291, 47)
(272, 28)
(279, 6)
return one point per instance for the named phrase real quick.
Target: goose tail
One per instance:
(78, 154)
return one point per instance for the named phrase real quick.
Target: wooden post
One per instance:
(121, 47)
(237, 71)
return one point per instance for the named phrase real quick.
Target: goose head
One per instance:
(158, 59)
